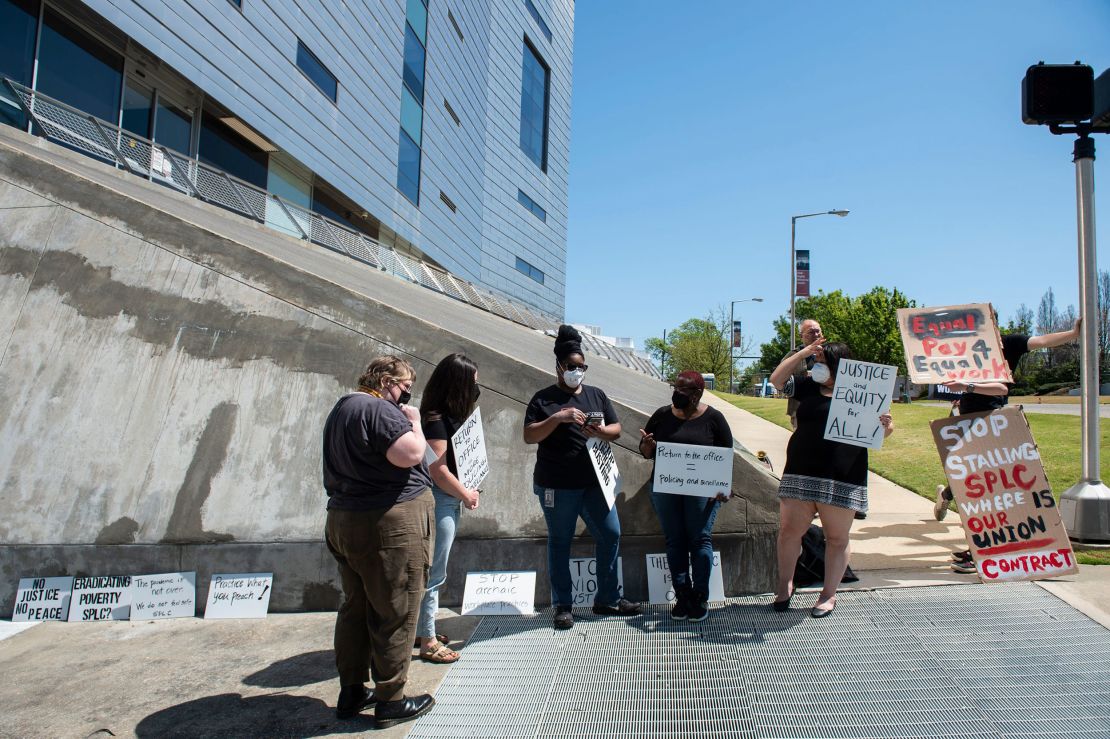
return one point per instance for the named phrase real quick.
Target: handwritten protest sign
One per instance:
(42, 599)
(239, 596)
(469, 443)
(1010, 518)
(661, 588)
(499, 594)
(862, 393)
(691, 469)
(583, 579)
(955, 342)
(101, 598)
(605, 467)
(172, 595)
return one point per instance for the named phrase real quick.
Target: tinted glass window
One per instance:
(538, 19)
(529, 270)
(408, 169)
(417, 16)
(317, 72)
(77, 69)
(533, 107)
(137, 101)
(173, 128)
(224, 149)
(18, 19)
(531, 205)
(411, 114)
(414, 64)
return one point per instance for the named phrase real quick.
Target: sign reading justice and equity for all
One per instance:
(469, 443)
(692, 469)
(862, 393)
(1010, 518)
(955, 342)
(605, 467)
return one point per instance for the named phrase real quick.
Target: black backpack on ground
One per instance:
(811, 564)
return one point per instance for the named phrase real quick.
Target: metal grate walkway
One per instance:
(981, 662)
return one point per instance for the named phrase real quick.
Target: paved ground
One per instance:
(1058, 409)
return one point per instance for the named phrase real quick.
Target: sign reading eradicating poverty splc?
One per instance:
(1010, 518)
(862, 393)
(499, 594)
(692, 469)
(605, 467)
(469, 443)
(955, 342)
(105, 598)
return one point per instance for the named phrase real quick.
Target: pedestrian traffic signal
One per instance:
(1057, 93)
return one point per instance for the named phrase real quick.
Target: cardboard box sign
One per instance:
(1010, 518)
(953, 342)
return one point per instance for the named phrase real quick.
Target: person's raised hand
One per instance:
(647, 442)
(412, 413)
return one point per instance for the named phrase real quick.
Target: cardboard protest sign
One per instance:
(499, 594)
(605, 467)
(692, 469)
(954, 342)
(661, 587)
(239, 596)
(172, 595)
(101, 598)
(42, 599)
(1010, 518)
(583, 579)
(862, 393)
(469, 443)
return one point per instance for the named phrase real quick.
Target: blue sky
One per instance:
(700, 128)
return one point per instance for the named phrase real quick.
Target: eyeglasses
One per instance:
(685, 390)
(812, 332)
(405, 387)
(573, 367)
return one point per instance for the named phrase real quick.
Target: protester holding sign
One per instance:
(449, 398)
(560, 419)
(379, 531)
(687, 520)
(821, 476)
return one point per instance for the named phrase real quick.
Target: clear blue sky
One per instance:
(699, 129)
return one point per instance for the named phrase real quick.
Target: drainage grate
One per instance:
(957, 662)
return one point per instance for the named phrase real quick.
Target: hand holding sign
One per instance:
(861, 399)
(954, 342)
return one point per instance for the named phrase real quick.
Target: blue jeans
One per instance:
(687, 523)
(562, 517)
(447, 519)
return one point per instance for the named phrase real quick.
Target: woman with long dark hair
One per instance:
(449, 398)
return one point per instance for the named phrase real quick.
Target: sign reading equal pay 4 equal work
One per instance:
(954, 342)
(1010, 518)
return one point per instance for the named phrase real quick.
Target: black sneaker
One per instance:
(699, 610)
(621, 608)
(964, 568)
(680, 611)
(564, 619)
(964, 556)
(352, 699)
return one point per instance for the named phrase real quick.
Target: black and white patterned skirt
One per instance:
(823, 490)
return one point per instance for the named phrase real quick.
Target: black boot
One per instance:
(391, 713)
(352, 699)
(699, 606)
(682, 597)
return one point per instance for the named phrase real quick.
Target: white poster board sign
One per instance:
(245, 595)
(661, 589)
(583, 579)
(863, 392)
(605, 467)
(172, 595)
(499, 594)
(42, 599)
(106, 598)
(469, 443)
(691, 469)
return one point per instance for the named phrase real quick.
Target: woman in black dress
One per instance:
(822, 477)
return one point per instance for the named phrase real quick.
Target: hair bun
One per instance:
(568, 342)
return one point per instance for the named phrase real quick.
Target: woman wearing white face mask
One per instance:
(560, 419)
(821, 476)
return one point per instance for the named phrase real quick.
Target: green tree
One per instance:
(699, 344)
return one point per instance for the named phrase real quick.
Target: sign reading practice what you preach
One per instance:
(956, 342)
(862, 393)
(499, 594)
(605, 467)
(692, 469)
(1010, 518)
(469, 443)
(239, 596)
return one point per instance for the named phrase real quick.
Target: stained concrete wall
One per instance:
(166, 369)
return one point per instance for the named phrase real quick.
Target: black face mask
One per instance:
(477, 392)
(404, 397)
(680, 401)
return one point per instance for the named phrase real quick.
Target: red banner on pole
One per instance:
(801, 273)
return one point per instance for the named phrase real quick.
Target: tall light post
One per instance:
(732, 334)
(793, 266)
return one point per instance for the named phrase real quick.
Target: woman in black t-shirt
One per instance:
(449, 399)
(561, 419)
(687, 520)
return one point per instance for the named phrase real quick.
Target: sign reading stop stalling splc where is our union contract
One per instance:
(862, 393)
(239, 596)
(499, 594)
(955, 342)
(469, 443)
(605, 467)
(172, 595)
(691, 469)
(1010, 518)
(42, 599)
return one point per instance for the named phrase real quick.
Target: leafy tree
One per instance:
(699, 344)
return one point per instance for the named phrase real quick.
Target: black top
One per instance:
(708, 429)
(810, 453)
(1014, 347)
(357, 475)
(562, 460)
(443, 427)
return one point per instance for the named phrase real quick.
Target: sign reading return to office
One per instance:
(692, 469)
(499, 594)
(955, 342)
(42, 599)
(106, 598)
(469, 443)
(862, 393)
(1010, 518)
(605, 467)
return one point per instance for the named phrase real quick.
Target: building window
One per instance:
(451, 112)
(531, 205)
(412, 100)
(523, 266)
(78, 69)
(414, 62)
(237, 3)
(448, 201)
(19, 20)
(535, 76)
(455, 25)
(538, 19)
(315, 70)
(408, 169)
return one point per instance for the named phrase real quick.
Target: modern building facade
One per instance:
(440, 128)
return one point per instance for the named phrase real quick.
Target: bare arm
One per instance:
(788, 365)
(981, 388)
(408, 449)
(1047, 341)
(610, 432)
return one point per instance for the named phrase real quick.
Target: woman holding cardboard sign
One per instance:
(449, 398)
(687, 520)
(822, 477)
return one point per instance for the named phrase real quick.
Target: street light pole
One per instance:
(793, 265)
(732, 329)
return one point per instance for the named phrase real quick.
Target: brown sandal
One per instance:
(441, 655)
(441, 638)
